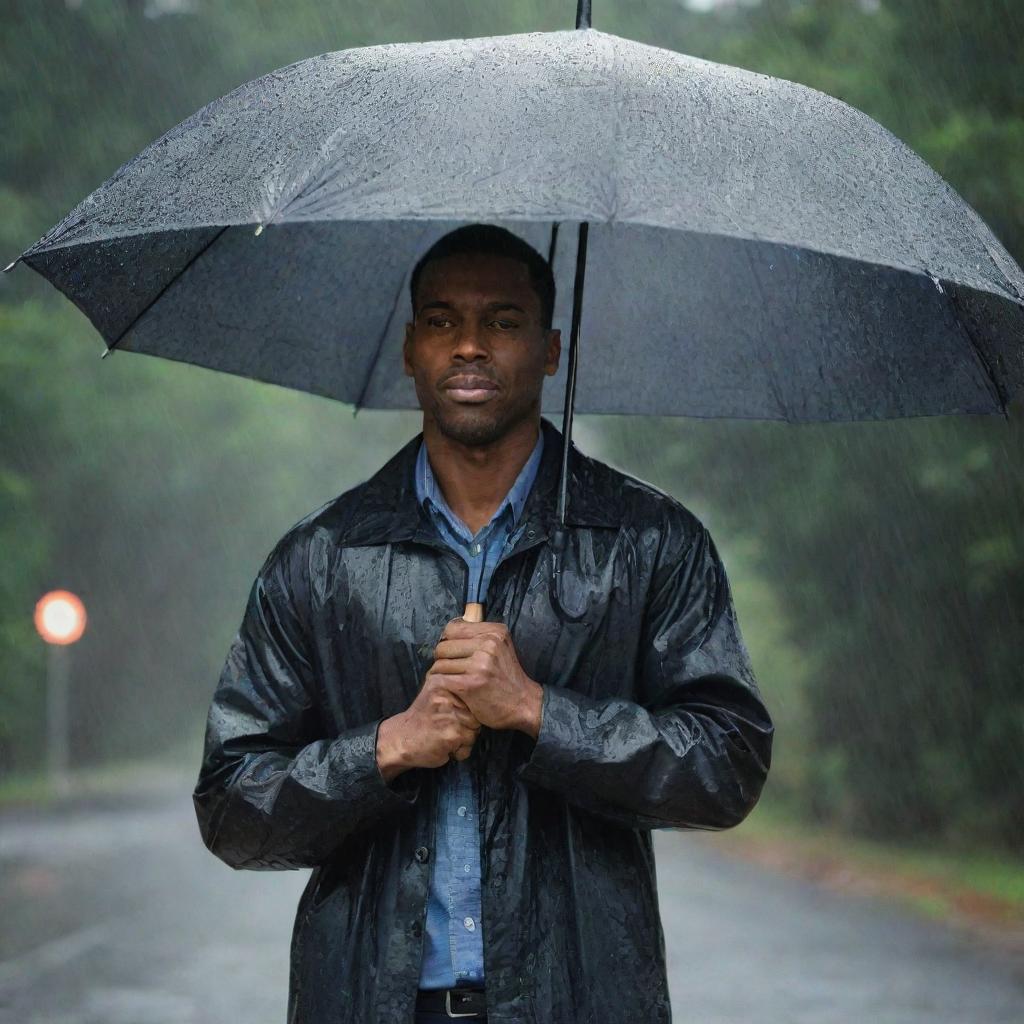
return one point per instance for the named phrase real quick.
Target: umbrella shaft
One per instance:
(583, 14)
(570, 383)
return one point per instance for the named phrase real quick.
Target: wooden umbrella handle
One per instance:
(474, 612)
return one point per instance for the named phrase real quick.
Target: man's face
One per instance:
(476, 348)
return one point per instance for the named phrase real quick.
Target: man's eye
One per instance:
(438, 321)
(505, 325)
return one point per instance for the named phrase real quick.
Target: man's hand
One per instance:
(477, 662)
(436, 728)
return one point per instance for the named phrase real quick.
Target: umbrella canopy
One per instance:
(757, 249)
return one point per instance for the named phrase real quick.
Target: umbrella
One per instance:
(759, 249)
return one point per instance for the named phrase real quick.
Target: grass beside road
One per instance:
(981, 891)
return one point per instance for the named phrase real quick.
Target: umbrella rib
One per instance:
(156, 298)
(954, 305)
(954, 302)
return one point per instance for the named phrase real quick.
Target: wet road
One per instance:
(122, 917)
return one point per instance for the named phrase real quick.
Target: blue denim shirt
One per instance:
(454, 947)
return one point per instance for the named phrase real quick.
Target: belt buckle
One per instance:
(448, 1006)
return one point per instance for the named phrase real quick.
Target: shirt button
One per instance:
(465, 867)
(468, 922)
(462, 812)
(423, 855)
(474, 549)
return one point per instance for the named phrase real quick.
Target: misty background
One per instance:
(877, 568)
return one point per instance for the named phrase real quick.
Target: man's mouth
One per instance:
(470, 388)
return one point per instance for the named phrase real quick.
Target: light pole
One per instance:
(60, 621)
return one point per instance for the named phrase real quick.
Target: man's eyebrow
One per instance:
(492, 307)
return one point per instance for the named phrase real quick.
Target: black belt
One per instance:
(455, 1002)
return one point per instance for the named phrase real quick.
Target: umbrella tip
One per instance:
(106, 352)
(11, 265)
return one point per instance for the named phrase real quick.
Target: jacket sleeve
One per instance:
(694, 752)
(274, 792)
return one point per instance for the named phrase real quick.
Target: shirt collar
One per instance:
(428, 492)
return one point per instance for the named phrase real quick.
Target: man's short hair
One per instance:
(493, 240)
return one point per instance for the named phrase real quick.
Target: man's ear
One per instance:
(554, 350)
(406, 345)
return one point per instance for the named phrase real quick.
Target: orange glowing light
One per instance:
(60, 617)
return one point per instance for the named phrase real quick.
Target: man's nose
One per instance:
(469, 344)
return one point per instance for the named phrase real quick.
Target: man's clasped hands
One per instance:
(476, 680)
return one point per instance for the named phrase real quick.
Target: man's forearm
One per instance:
(298, 807)
(672, 768)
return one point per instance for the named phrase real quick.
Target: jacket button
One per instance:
(417, 929)
(423, 855)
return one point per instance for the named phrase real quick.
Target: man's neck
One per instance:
(476, 479)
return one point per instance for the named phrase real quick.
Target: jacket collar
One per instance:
(385, 509)
(429, 493)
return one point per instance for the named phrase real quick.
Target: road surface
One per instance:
(121, 916)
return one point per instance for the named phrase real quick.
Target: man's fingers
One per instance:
(449, 682)
(450, 666)
(431, 681)
(460, 704)
(463, 712)
(460, 629)
(455, 648)
(469, 722)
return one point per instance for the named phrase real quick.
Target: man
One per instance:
(476, 799)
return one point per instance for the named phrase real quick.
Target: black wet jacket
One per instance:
(651, 719)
